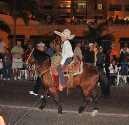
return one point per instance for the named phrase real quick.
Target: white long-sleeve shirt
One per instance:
(2, 45)
(66, 51)
(112, 70)
(77, 52)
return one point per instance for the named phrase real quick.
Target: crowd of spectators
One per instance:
(11, 61)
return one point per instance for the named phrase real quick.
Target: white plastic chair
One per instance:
(124, 77)
(23, 72)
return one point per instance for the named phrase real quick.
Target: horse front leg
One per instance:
(44, 99)
(95, 98)
(53, 91)
(83, 105)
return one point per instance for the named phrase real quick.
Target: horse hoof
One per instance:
(60, 112)
(94, 113)
(79, 111)
(41, 108)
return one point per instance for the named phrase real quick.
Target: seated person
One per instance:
(51, 50)
(112, 71)
(67, 53)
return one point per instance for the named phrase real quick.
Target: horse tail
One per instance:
(104, 83)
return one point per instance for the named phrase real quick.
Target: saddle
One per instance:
(72, 67)
(69, 70)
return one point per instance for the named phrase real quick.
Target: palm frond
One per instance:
(4, 27)
(25, 17)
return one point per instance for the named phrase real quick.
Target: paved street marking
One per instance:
(67, 111)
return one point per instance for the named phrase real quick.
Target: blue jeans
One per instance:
(124, 69)
(60, 73)
(6, 71)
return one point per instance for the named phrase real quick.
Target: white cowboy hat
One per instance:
(66, 34)
(41, 44)
(90, 44)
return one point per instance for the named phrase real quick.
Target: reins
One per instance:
(40, 74)
(35, 69)
(29, 56)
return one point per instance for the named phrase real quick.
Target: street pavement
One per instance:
(18, 107)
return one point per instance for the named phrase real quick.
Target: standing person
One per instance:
(100, 58)
(114, 51)
(1, 67)
(27, 45)
(124, 61)
(90, 54)
(78, 52)
(2, 46)
(125, 44)
(95, 52)
(82, 46)
(66, 54)
(57, 45)
(7, 63)
(51, 50)
(84, 52)
(108, 60)
(27, 49)
(17, 63)
(112, 71)
(40, 47)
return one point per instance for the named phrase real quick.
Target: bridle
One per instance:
(34, 67)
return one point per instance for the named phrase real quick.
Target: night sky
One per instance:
(5, 0)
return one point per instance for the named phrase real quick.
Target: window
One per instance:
(126, 7)
(99, 6)
(114, 7)
(64, 5)
(80, 5)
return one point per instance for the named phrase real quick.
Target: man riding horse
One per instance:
(87, 79)
(66, 54)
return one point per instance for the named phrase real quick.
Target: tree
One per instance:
(20, 9)
(94, 34)
(4, 27)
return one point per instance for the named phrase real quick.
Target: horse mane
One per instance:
(40, 56)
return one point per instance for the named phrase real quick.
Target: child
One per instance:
(1, 67)
(7, 62)
(112, 71)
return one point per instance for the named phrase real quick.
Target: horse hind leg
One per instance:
(95, 98)
(83, 105)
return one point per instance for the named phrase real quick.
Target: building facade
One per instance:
(87, 9)
(90, 9)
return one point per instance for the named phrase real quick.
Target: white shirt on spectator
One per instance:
(126, 51)
(113, 70)
(77, 52)
(66, 51)
(2, 46)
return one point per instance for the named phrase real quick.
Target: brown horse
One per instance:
(87, 80)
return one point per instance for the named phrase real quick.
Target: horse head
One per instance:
(38, 61)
